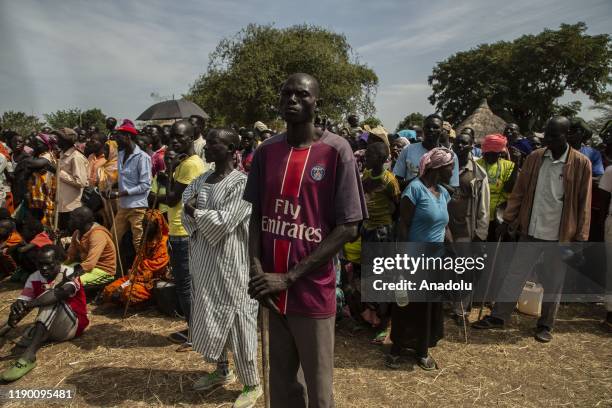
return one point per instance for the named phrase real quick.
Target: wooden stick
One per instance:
(110, 207)
(490, 277)
(58, 182)
(265, 353)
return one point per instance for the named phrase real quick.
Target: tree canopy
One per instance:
(245, 73)
(372, 122)
(74, 117)
(414, 118)
(20, 122)
(522, 79)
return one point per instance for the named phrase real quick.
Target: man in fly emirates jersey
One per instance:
(307, 202)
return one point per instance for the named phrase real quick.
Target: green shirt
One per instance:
(498, 175)
(381, 192)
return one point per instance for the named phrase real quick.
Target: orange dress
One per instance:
(137, 286)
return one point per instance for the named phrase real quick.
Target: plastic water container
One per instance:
(530, 301)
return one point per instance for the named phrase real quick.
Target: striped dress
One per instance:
(223, 315)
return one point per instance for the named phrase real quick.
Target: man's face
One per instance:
(198, 125)
(215, 149)
(143, 141)
(575, 136)
(123, 140)
(297, 100)
(17, 143)
(491, 157)
(462, 145)
(248, 140)
(555, 135)
(111, 123)
(93, 145)
(432, 131)
(48, 266)
(155, 135)
(511, 132)
(180, 142)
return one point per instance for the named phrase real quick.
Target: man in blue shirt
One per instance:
(134, 166)
(407, 164)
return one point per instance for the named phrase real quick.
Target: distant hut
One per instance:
(483, 121)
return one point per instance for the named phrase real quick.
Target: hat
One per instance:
(66, 134)
(494, 143)
(408, 134)
(379, 132)
(260, 126)
(127, 126)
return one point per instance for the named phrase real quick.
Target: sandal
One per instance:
(427, 363)
(392, 361)
(489, 322)
(379, 339)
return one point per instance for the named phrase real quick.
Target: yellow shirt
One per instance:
(498, 174)
(185, 173)
(159, 190)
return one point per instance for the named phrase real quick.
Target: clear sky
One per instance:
(114, 54)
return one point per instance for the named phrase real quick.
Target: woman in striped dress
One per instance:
(223, 315)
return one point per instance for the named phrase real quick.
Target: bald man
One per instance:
(550, 203)
(91, 246)
(307, 202)
(182, 170)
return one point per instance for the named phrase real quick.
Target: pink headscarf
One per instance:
(494, 143)
(48, 140)
(435, 158)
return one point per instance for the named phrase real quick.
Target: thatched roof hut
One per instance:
(483, 121)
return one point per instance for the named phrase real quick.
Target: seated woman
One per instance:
(150, 265)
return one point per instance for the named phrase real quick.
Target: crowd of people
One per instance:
(240, 218)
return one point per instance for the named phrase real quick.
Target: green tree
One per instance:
(245, 73)
(604, 109)
(372, 122)
(522, 79)
(74, 117)
(412, 119)
(20, 122)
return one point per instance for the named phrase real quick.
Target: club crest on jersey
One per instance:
(317, 173)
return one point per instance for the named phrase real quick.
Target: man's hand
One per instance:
(190, 206)
(18, 311)
(162, 178)
(109, 194)
(267, 284)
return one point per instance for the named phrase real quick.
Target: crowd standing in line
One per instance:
(234, 219)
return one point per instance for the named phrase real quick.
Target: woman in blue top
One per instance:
(423, 218)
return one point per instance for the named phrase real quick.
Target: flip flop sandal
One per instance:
(380, 338)
(392, 362)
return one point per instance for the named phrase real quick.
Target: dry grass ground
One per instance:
(130, 363)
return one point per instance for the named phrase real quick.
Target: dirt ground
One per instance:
(130, 363)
